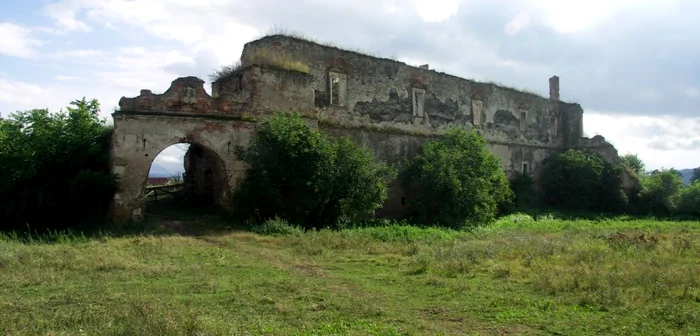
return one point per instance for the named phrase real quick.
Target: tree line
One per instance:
(56, 175)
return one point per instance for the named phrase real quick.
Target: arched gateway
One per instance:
(185, 113)
(386, 105)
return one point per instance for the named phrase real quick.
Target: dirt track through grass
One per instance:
(516, 277)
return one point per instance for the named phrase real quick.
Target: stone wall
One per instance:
(389, 106)
(380, 95)
(139, 137)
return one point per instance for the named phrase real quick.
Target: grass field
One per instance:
(518, 276)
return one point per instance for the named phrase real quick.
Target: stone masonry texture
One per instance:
(388, 106)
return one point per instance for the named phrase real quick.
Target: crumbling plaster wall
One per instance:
(266, 89)
(394, 148)
(379, 96)
(139, 138)
(378, 112)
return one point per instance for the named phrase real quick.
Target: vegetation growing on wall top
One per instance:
(262, 57)
(278, 60)
(226, 71)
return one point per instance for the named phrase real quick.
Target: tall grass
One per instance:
(47, 237)
(279, 60)
(521, 275)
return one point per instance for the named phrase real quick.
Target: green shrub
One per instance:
(695, 176)
(660, 192)
(689, 200)
(580, 180)
(299, 175)
(524, 191)
(458, 181)
(277, 227)
(634, 163)
(55, 168)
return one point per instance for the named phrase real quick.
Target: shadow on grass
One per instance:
(165, 218)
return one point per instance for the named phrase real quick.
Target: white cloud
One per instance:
(17, 93)
(65, 13)
(663, 141)
(578, 16)
(519, 22)
(65, 78)
(60, 55)
(171, 159)
(17, 41)
(436, 10)
(692, 93)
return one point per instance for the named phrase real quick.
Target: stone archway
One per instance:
(204, 172)
(146, 125)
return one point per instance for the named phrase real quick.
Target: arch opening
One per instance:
(185, 174)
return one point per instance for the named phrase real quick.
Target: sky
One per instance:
(631, 64)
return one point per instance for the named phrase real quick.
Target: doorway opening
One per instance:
(184, 176)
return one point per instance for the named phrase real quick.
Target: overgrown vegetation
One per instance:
(226, 71)
(55, 169)
(525, 195)
(299, 175)
(278, 60)
(458, 181)
(634, 163)
(262, 57)
(517, 276)
(581, 180)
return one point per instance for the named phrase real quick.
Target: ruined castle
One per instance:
(386, 105)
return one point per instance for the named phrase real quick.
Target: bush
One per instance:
(634, 163)
(277, 227)
(581, 180)
(689, 200)
(300, 176)
(458, 181)
(660, 192)
(524, 191)
(55, 168)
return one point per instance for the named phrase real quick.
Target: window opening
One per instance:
(477, 106)
(337, 89)
(418, 103)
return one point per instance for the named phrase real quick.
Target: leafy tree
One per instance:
(300, 176)
(55, 167)
(581, 180)
(458, 181)
(660, 192)
(522, 186)
(696, 175)
(634, 163)
(689, 200)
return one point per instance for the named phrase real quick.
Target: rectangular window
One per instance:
(337, 89)
(477, 106)
(418, 103)
(525, 169)
(523, 121)
(553, 122)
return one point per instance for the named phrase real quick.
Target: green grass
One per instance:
(518, 276)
